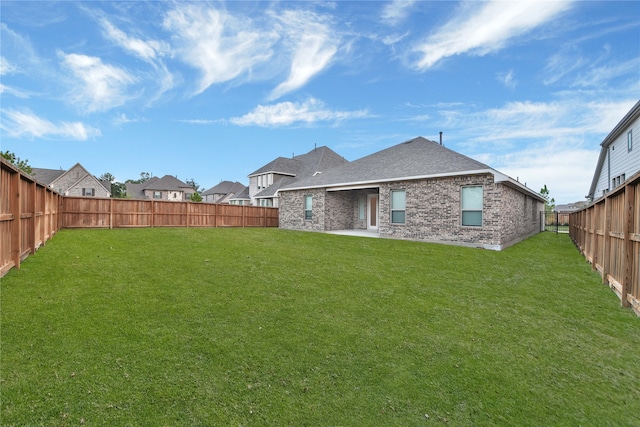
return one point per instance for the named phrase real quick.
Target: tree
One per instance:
(550, 203)
(144, 177)
(195, 197)
(191, 182)
(107, 177)
(17, 161)
(118, 189)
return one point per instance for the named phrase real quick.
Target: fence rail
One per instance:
(608, 234)
(28, 215)
(82, 212)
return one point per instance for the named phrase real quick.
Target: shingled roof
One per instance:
(166, 183)
(46, 176)
(225, 187)
(414, 159)
(300, 167)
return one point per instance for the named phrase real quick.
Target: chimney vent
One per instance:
(440, 138)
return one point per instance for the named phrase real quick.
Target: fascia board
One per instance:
(376, 183)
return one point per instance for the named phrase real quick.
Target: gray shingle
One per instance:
(46, 176)
(414, 158)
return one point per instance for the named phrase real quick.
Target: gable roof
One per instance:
(281, 166)
(50, 176)
(241, 195)
(318, 159)
(46, 176)
(225, 187)
(414, 159)
(166, 183)
(626, 121)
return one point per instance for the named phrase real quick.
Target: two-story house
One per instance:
(619, 155)
(265, 182)
(166, 188)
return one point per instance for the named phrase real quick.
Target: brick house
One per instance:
(76, 181)
(416, 190)
(166, 188)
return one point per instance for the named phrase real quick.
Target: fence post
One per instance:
(16, 225)
(629, 197)
(606, 249)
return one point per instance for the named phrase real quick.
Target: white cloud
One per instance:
(396, 11)
(6, 67)
(150, 51)
(288, 113)
(18, 124)
(146, 50)
(507, 79)
(600, 76)
(200, 121)
(315, 46)
(481, 28)
(102, 86)
(554, 143)
(221, 46)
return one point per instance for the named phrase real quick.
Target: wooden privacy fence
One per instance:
(28, 215)
(608, 234)
(82, 212)
(31, 213)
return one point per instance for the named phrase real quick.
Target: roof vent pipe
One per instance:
(440, 138)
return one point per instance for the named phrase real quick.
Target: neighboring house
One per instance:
(166, 188)
(417, 190)
(266, 181)
(241, 198)
(76, 181)
(619, 156)
(570, 207)
(222, 192)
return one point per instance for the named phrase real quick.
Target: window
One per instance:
(266, 202)
(472, 206)
(362, 207)
(630, 140)
(157, 194)
(308, 203)
(398, 204)
(265, 180)
(89, 192)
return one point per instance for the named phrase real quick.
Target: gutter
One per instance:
(498, 178)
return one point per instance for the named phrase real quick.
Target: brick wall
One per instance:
(88, 182)
(433, 212)
(291, 210)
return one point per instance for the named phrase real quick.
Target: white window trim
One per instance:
(481, 210)
(310, 217)
(392, 210)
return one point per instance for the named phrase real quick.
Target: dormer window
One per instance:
(265, 180)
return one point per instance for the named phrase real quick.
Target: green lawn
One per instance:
(260, 327)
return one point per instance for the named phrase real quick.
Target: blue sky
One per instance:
(212, 91)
